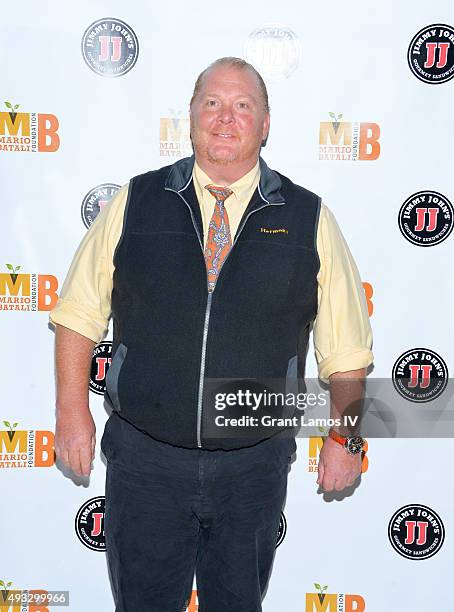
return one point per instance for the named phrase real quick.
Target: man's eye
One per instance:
(243, 105)
(211, 103)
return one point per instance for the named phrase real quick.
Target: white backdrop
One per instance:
(341, 58)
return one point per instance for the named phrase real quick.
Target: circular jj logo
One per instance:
(282, 530)
(95, 200)
(426, 218)
(274, 50)
(420, 375)
(110, 47)
(416, 532)
(89, 523)
(100, 362)
(431, 54)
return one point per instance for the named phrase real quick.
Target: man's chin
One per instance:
(222, 157)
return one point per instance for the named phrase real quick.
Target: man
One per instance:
(214, 267)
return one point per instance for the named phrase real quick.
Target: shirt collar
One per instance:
(240, 188)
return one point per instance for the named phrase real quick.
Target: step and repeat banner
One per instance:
(361, 99)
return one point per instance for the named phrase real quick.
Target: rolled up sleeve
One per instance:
(84, 303)
(342, 331)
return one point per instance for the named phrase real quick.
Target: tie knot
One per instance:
(219, 193)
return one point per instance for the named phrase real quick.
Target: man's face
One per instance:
(228, 119)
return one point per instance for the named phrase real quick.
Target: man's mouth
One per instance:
(221, 135)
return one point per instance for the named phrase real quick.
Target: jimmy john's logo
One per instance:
(95, 200)
(282, 530)
(274, 49)
(420, 375)
(426, 218)
(348, 141)
(431, 54)
(20, 448)
(416, 532)
(323, 601)
(100, 363)
(27, 292)
(110, 47)
(174, 136)
(28, 132)
(89, 524)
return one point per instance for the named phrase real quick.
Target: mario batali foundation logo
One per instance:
(323, 601)
(110, 47)
(431, 54)
(27, 292)
(20, 448)
(348, 141)
(420, 375)
(89, 523)
(95, 200)
(28, 132)
(426, 218)
(174, 135)
(416, 532)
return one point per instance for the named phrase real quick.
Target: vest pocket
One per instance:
(113, 375)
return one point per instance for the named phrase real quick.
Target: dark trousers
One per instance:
(172, 511)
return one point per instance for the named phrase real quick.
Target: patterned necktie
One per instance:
(218, 240)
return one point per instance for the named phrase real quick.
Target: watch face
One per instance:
(354, 445)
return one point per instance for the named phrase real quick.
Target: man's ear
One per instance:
(266, 129)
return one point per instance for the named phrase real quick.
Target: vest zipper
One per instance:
(208, 306)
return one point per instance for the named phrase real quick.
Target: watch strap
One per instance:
(337, 437)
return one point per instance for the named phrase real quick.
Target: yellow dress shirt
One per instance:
(342, 332)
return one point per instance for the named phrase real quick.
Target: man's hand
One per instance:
(75, 439)
(75, 429)
(336, 468)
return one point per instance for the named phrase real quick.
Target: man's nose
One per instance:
(226, 114)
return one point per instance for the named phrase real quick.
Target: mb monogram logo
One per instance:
(323, 601)
(174, 137)
(28, 132)
(27, 292)
(348, 141)
(20, 448)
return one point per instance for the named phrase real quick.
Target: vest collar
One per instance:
(269, 186)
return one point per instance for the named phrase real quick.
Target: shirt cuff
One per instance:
(73, 316)
(353, 359)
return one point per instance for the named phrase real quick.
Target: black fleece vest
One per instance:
(170, 334)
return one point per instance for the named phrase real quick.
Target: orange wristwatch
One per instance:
(353, 446)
